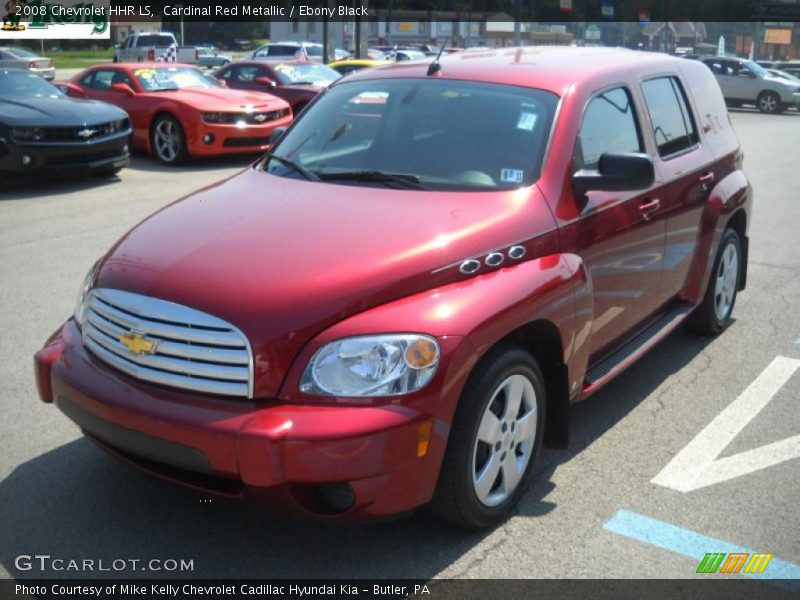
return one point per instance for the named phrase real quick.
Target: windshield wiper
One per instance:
(402, 179)
(292, 165)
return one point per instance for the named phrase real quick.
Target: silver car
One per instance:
(745, 82)
(19, 58)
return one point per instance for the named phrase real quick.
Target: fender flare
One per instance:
(730, 195)
(470, 316)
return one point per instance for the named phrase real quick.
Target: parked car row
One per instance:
(746, 82)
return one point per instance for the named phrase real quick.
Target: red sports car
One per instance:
(297, 82)
(177, 111)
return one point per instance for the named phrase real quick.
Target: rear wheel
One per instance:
(168, 140)
(714, 313)
(769, 103)
(494, 441)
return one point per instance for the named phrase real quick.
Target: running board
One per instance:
(606, 369)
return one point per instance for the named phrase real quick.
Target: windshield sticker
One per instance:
(526, 121)
(145, 73)
(511, 175)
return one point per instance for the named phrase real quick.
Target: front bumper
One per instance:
(74, 158)
(290, 456)
(212, 139)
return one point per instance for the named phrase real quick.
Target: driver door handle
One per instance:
(648, 207)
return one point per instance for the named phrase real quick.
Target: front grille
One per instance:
(244, 142)
(88, 133)
(251, 118)
(194, 350)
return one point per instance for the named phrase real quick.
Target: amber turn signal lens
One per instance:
(421, 354)
(424, 438)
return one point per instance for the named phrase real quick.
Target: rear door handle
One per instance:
(707, 179)
(649, 206)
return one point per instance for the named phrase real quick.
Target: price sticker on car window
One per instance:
(511, 175)
(526, 121)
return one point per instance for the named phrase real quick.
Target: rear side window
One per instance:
(673, 124)
(609, 125)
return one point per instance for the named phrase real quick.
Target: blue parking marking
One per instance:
(695, 545)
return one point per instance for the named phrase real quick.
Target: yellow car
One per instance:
(350, 65)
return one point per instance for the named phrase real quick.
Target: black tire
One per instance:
(707, 318)
(455, 499)
(180, 153)
(769, 103)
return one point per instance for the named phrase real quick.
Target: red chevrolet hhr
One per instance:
(397, 306)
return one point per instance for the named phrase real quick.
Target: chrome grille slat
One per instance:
(153, 376)
(164, 363)
(154, 328)
(194, 350)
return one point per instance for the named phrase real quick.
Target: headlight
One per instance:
(374, 365)
(28, 134)
(218, 117)
(80, 307)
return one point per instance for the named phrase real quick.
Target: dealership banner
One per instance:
(387, 589)
(55, 20)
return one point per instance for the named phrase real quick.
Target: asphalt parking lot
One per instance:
(595, 511)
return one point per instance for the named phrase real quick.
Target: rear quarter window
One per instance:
(670, 115)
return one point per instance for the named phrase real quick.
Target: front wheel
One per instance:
(168, 140)
(494, 441)
(714, 313)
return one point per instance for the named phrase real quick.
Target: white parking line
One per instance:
(697, 465)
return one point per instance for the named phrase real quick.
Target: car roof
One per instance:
(142, 65)
(552, 68)
(271, 62)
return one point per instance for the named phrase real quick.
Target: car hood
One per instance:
(223, 99)
(782, 81)
(307, 87)
(284, 259)
(57, 112)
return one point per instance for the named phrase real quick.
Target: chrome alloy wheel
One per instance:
(768, 103)
(726, 282)
(167, 140)
(505, 441)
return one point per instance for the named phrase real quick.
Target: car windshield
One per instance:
(155, 40)
(756, 68)
(420, 134)
(294, 73)
(154, 79)
(22, 84)
(19, 52)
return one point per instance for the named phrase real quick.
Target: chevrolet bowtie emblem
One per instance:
(138, 343)
(86, 133)
(260, 118)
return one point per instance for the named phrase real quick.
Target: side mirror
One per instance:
(616, 171)
(265, 81)
(122, 88)
(276, 135)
